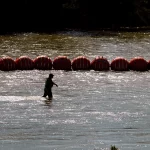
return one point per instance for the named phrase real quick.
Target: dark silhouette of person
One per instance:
(48, 87)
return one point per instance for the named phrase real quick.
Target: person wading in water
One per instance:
(48, 87)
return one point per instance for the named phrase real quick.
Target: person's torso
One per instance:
(49, 83)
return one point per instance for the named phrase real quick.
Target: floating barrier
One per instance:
(138, 64)
(62, 63)
(42, 63)
(100, 64)
(24, 63)
(79, 63)
(148, 65)
(7, 64)
(119, 64)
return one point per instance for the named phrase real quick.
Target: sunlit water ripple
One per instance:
(91, 110)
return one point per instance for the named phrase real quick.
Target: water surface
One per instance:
(91, 110)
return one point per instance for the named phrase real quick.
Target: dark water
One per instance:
(90, 111)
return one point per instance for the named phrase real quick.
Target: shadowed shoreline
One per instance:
(83, 15)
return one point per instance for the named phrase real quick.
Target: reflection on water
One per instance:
(91, 110)
(73, 44)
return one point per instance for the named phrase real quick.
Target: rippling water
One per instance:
(91, 110)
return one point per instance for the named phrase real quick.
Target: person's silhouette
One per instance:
(48, 87)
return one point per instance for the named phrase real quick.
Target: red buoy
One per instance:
(119, 64)
(42, 63)
(62, 63)
(149, 65)
(80, 63)
(100, 64)
(24, 63)
(138, 64)
(7, 64)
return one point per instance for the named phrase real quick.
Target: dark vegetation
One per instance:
(52, 15)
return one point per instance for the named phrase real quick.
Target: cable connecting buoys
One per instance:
(7, 64)
(42, 63)
(138, 64)
(100, 64)
(119, 64)
(80, 63)
(24, 63)
(62, 63)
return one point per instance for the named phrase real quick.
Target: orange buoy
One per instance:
(42, 63)
(7, 64)
(62, 63)
(80, 63)
(24, 63)
(138, 64)
(119, 64)
(148, 65)
(100, 64)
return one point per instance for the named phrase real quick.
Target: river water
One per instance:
(91, 110)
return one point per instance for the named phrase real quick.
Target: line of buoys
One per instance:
(24, 63)
(7, 64)
(138, 64)
(119, 64)
(100, 64)
(79, 63)
(62, 63)
(42, 63)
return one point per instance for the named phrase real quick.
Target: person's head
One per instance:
(51, 75)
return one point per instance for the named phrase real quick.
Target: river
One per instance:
(91, 110)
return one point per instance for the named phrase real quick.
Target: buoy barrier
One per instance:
(24, 63)
(79, 63)
(148, 65)
(7, 64)
(62, 63)
(42, 63)
(138, 64)
(119, 64)
(100, 64)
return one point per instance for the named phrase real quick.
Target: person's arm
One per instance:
(55, 84)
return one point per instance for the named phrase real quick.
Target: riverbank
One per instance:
(95, 31)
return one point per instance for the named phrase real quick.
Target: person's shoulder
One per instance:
(47, 79)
